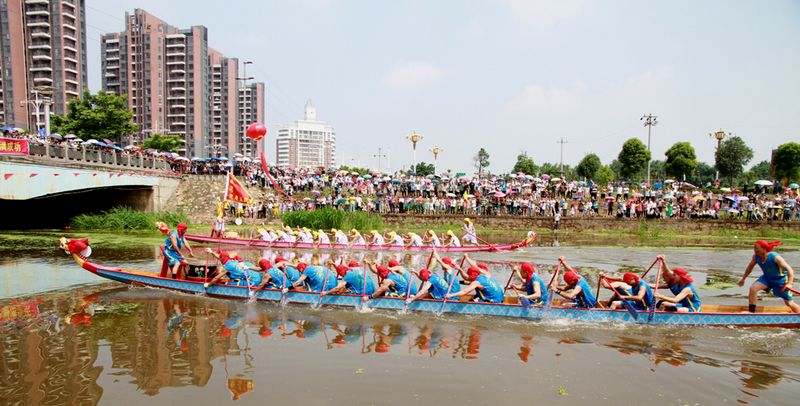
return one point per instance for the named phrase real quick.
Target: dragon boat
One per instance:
(385, 247)
(713, 315)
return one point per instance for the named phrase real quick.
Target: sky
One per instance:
(506, 75)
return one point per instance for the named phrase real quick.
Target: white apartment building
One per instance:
(306, 143)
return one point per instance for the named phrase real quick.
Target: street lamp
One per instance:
(414, 138)
(436, 151)
(719, 135)
(649, 121)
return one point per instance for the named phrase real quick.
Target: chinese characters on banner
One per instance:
(12, 146)
(235, 192)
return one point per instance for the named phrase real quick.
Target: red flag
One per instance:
(235, 192)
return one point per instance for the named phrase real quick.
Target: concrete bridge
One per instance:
(53, 183)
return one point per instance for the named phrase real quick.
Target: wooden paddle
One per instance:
(648, 269)
(487, 243)
(324, 283)
(626, 304)
(552, 292)
(652, 312)
(453, 278)
(408, 288)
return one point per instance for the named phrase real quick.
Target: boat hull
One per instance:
(301, 245)
(471, 308)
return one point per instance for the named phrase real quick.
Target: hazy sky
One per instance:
(507, 75)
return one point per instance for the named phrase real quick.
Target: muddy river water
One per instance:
(68, 337)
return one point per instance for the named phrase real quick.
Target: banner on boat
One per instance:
(12, 146)
(235, 192)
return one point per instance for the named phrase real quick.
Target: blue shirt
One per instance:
(648, 297)
(400, 285)
(277, 277)
(439, 287)
(168, 242)
(292, 273)
(772, 271)
(317, 275)
(490, 290)
(586, 298)
(355, 282)
(690, 302)
(529, 288)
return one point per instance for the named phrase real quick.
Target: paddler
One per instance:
(292, 273)
(357, 238)
(434, 285)
(576, 288)
(314, 276)
(172, 248)
(777, 276)
(414, 240)
(393, 284)
(432, 239)
(322, 238)
(305, 236)
(471, 236)
(678, 281)
(485, 288)
(377, 239)
(533, 286)
(630, 288)
(239, 273)
(352, 282)
(395, 239)
(452, 240)
(340, 237)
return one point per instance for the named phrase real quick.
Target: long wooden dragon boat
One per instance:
(713, 315)
(385, 247)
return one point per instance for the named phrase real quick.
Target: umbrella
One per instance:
(657, 186)
(793, 186)
(198, 159)
(545, 176)
(56, 136)
(107, 141)
(556, 179)
(512, 176)
(367, 176)
(395, 180)
(315, 192)
(669, 197)
(669, 181)
(499, 194)
(6, 128)
(70, 136)
(354, 173)
(763, 182)
(609, 198)
(581, 183)
(237, 155)
(224, 158)
(529, 177)
(129, 147)
(725, 189)
(699, 198)
(687, 185)
(744, 199)
(451, 195)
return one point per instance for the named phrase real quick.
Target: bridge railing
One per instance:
(98, 157)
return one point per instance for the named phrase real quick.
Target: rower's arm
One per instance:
(789, 271)
(422, 291)
(188, 247)
(382, 288)
(339, 287)
(465, 291)
(571, 294)
(537, 292)
(300, 280)
(686, 292)
(220, 273)
(471, 261)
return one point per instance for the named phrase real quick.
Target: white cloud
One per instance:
(543, 14)
(540, 99)
(412, 76)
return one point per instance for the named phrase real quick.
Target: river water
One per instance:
(68, 337)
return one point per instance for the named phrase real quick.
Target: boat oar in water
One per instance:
(551, 291)
(408, 288)
(626, 304)
(652, 312)
(453, 278)
(324, 285)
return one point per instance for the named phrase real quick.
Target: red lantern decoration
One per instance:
(256, 131)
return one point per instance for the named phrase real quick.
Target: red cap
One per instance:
(393, 262)
(382, 347)
(768, 246)
(353, 263)
(383, 271)
(341, 269)
(75, 246)
(264, 332)
(448, 261)
(527, 269)
(238, 258)
(473, 273)
(225, 332)
(424, 274)
(181, 228)
(279, 259)
(301, 266)
(483, 266)
(630, 278)
(264, 264)
(224, 257)
(681, 273)
(571, 278)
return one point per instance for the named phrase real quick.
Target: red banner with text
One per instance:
(13, 146)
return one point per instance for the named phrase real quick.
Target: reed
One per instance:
(124, 218)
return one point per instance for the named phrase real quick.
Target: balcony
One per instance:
(171, 54)
(41, 68)
(112, 41)
(172, 115)
(178, 106)
(112, 58)
(70, 59)
(70, 48)
(176, 97)
(40, 46)
(170, 63)
(72, 81)
(38, 13)
(178, 89)
(71, 70)
(43, 79)
(176, 45)
(67, 14)
(177, 71)
(41, 34)
(176, 80)
(178, 123)
(70, 26)
(42, 57)
(70, 37)
(45, 2)
(36, 24)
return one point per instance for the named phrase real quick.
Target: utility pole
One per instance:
(561, 167)
(649, 121)
(379, 156)
(38, 103)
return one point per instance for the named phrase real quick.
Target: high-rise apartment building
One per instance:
(42, 53)
(175, 84)
(306, 143)
(251, 110)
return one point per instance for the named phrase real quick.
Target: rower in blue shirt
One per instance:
(240, 273)
(352, 282)
(484, 287)
(534, 287)
(678, 281)
(778, 275)
(631, 289)
(314, 276)
(576, 288)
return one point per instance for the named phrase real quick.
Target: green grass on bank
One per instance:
(123, 218)
(328, 218)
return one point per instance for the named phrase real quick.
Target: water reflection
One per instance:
(55, 351)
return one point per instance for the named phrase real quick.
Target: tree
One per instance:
(731, 156)
(760, 171)
(481, 161)
(549, 169)
(704, 174)
(525, 164)
(589, 166)
(787, 162)
(166, 143)
(681, 160)
(604, 175)
(633, 158)
(104, 115)
(423, 169)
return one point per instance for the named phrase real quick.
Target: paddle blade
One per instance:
(629, 307)
(525, 302)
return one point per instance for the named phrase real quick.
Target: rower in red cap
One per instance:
(778, 275)
(636, 291)
(394, 284)
(576, 288)
(678, 281)
(533, 286)
(352, 281)
(172, 247)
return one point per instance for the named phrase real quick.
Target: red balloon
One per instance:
(256, 131)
